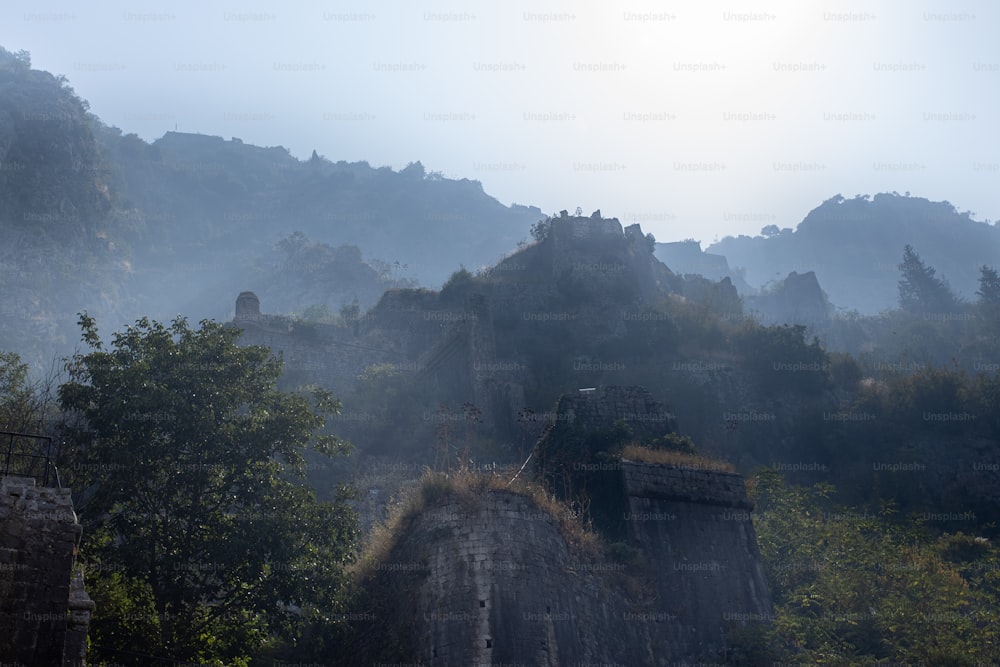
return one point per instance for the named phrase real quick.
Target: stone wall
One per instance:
(44, 611)
(686, 484)
(492, 580)
(602, 407)
(696, 525)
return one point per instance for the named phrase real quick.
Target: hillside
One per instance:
(58, 253)
(855, 245)
(95, 219)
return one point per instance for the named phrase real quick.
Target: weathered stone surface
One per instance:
(601, 408)
(41, 623)
(493, 581)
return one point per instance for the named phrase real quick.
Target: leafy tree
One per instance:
(199, 543)
(541, 230)
(414, 170)
(852, 588)
(19, 61)
(920, 291)
(350, 313)
(989, 286)
(651, 242)
(989, 301)
(16, 396)
(780, 358)
(25, 407)
(457, 285)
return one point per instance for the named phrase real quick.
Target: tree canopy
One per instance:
(198, 542)
(920, 290)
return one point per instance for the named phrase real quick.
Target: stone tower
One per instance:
(247, 306)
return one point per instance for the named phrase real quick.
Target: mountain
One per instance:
(57, 250)
(94, 219)
(854, 246)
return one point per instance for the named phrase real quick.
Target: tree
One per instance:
(919, 290)
(198, 542)
(651, 242)
(414, 170)
(350, 313)
(989, 286)
(541, 230)
(26, 406)
(16, 396)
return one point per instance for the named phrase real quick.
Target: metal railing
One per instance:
(29, 455)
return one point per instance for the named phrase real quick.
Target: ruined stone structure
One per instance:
(409, 331)
(602, 407)
(247, 306)
(587, 268)
(493, 580)
(44, 609)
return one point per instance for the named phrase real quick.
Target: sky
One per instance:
(696, 119)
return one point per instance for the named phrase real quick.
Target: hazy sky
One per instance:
(697, 119)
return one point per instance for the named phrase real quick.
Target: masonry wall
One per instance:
(40, 622)
(491, 580)
(695, 524)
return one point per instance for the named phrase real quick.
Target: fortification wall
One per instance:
(41, 623)
(491, 580)
(685, 484)
(602, 407)
(696, 525)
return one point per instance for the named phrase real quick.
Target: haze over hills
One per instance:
(100, 220)
(855, 247)
(623, 394)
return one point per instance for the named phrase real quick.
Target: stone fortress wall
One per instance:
(493, 580)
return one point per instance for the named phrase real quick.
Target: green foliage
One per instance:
(845, 372)
(781, 359)
(319, 312)
(919, 290)
(989, 285)
(16, 62)
(16, 396)
(457, 285)
(579, 466)
(650, 242)
(852, 588)
(188, 453)
(25, 407)
(393, 410)
(350, 313)
(540, 230)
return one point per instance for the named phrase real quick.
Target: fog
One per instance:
(394, 333)
(697, 119)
